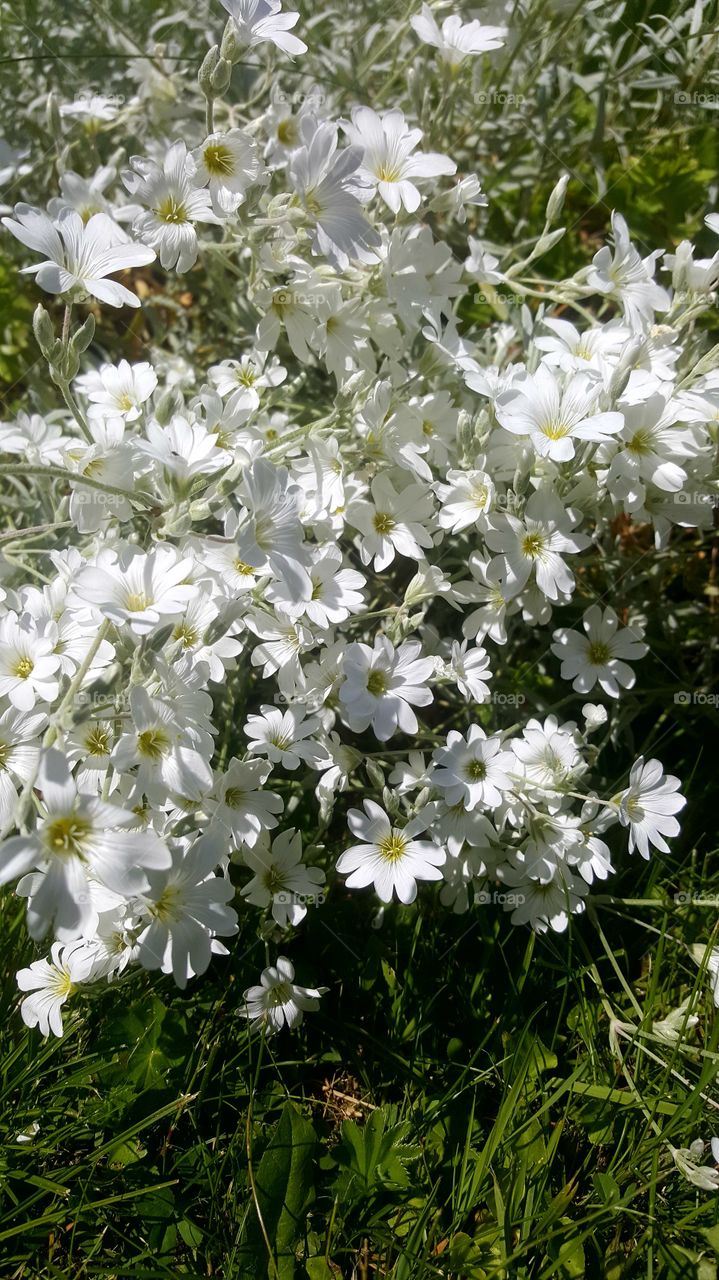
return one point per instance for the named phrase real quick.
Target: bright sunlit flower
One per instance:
(78, 256)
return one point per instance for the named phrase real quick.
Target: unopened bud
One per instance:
(374, 773)
(204, 75)
(555, 202)
(43, 330)
(220, 77)
(83, 336)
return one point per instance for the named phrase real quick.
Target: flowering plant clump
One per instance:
(308, 573)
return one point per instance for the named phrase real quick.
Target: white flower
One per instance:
(51, 983)
(92, 108)
(29, 665)
(601, 655)
(536, 544)
(19, 752)
(456, 40)
(282, 879)
(184, 450)
(595, 715)
(137, 588)
(389, 164)
(77, 837)
(282, 737)
(328, 597)
(162, 750)
(382, 684)
(389, 857)
(279, 1001)
(392, 522)
(648, 805)
(470, 671)
(676, 1026)
(260, 20)
(173, 206)
(79, 255)
(548, 753)
(328, 187)
(228, 165)
(240, 802)
(188, 906)
(544, 904)
(555, 415)
(474, 770)
(120, 389)
(687, 1161)
(626, 276)
(466, 499)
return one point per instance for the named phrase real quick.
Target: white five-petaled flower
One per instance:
(456, 40)
(648, 806)
(188, 907)
(279, 1001)
(474, 770)
(228, 165)
(623, 274)
(281, 879)
(536, 545)
(600, 655)
(137, 588)
(173, 204)
(78, 255)
(390, 162)
(330, 190)
(120, 389)
(393, 522)
(382, 684)
(555, 415)
(285, 737)
(387, 856)
(79, 839)
(260, 20)
(240, 802)
(52, 982)
(29, 663)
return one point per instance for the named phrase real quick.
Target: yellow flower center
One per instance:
(172, 211)
(383, 522)
(392, 847)
(377, 683)
(219, 160)
(153, 743)
(66, 837)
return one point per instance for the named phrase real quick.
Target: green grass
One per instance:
(458, 1107)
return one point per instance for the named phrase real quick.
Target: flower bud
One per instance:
(43, 330)
(555, 202)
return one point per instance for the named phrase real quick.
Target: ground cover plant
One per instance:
(358, 603)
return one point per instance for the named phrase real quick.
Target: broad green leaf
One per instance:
(285, 1186)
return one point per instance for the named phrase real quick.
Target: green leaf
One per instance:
(374, 1155)
(285, 1186)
